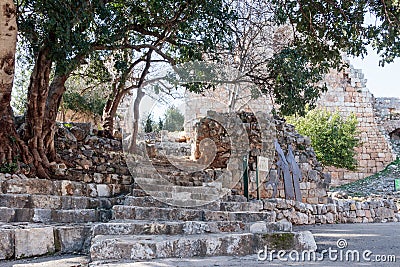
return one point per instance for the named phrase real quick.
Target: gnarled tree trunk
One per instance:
(56, 91)
(37, 96)
(10, 144)
(136, 117)
(110, 110)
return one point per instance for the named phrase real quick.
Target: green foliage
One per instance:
(160, 124)
(79, 98)
(332, 137)
(174, 119)
(148, 128)
(89, 104)
(9, 167)
(324, 28)
(294, 81)
(320, 32)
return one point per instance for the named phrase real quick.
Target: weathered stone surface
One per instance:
(14, 201)
(45, 201)
(141, 213)
(7, 239)
(23, 185)
(72, 239)
(305, 241)
(42, 215)
(34, 242)
(74, 216)
(145, 247)
(269, 227)
(7, 214)
(166, 228)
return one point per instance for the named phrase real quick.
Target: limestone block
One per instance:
(6, 244)
(305, 241)
(7, 214)
(71, 239)
(34, 242)
(41, 215)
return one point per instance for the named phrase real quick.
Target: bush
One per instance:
(332, 137)
(174, 120)
(148, 127)
(85, 103)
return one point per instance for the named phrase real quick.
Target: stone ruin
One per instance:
(313, 182)
(387, 115)
(95, 207)
(347, 93)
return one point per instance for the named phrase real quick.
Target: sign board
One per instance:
(262, 163)
(396, 184)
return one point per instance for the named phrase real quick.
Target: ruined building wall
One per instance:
(262, 131)
(348, 94)
(387, 115)
(196, 105)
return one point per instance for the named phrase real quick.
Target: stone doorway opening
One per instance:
(395, 140)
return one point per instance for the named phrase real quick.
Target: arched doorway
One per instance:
(395, 140)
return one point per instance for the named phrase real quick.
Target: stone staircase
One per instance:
(145, 228)
(41, 217)
(35, 200)
(161, 219)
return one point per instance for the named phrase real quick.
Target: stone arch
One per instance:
(395, 135)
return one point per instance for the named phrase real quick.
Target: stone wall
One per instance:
(347, 93)
(387, 115)
(91, 160)
(196, 106)
(262, 131)
(337, 211)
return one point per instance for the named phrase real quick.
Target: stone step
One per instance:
(54, 202)
(256, 205)
(139, 192)
(32, 240)
(121, 212)
(177, 196)
(180, 189)
(145, 247)
(146, 227)
(151, 180)
(53, 216)
(234, 198)
(34, 186)
(149, 201)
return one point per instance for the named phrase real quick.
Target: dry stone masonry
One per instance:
(69, 214)
(347, 93)
(387, 110)
(262, 132)
(93, 205)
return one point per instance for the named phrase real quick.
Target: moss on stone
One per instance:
(284, 241)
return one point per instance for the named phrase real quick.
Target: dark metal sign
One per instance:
(284, 170)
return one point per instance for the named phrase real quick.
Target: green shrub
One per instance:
(148, 128)
(174, 119)
(332, 137)
(85, 103)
